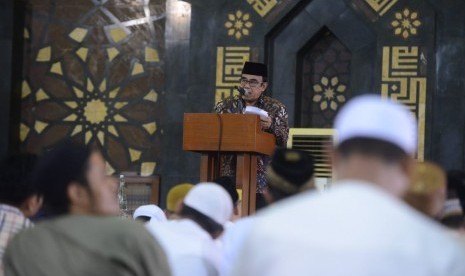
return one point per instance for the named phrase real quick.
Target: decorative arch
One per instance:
(293, 33)
(323, 81)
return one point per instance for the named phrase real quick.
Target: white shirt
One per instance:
(232, 241)
(189, 248)
(354, 229)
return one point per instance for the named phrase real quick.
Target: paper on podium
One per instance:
(258, 111)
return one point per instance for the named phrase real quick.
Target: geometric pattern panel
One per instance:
(93, 71)
(229, 63)
(325, 81)
(405, 23)
(374, 9)
(381, 6)
(262, 7)
(404, 80)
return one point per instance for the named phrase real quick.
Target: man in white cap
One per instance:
(149, 212)
(361, 226)
(289, 173)
(189, 242)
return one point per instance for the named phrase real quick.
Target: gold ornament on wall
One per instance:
(406, 23)
(229, 62)
(238, 24)
(329, 93)
(96, 85)
(263, 7)
(381, 6)
(404, 80)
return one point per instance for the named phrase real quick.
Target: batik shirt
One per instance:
(12, 221)
(279, 128)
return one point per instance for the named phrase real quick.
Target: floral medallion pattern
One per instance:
(406, 23)
(329, 93)
(95, 74)
(238, 24)
(325, 80)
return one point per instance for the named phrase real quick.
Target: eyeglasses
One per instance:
(251, 83)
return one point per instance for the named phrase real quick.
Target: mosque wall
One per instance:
(6, 46)
(119, 74)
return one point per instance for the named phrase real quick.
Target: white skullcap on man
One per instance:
(152, 211)
(211, 200)
(370, 116)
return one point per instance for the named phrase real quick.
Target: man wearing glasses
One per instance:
(253, 84)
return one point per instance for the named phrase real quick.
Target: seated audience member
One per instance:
(360, 226)
(19, 199)
(427, 190)
(174, 199)
(453, 212)
(80, 237)
(189, 241)
(229, 184)
(146, 213)
(290, 172)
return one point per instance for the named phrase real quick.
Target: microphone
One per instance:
(240, 89)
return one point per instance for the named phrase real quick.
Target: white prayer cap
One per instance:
(370, 116)
(152, 211)
(212, 200)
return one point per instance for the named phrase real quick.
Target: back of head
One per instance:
(427, 189)
(374, 126)
(150, 212)
(209, 205)
(57, 168)
(229, 184)
(375, 142)
(15, 179)
(176, 195)
(289, 172)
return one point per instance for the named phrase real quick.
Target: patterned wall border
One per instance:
(403, 81)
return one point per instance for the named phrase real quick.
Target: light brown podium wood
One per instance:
(241, 135)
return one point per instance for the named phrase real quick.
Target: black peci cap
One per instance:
(254, 68)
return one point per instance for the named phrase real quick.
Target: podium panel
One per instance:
(239, 134)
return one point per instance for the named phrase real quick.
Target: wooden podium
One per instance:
(239, 134)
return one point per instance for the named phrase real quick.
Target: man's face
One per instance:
(103, 189)
(254, 87)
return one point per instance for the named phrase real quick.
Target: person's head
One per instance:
(175, 197)
(254, 80)
(427, 190)
(209, 205)
(289, 172)
(150, 212)
(229, 184)
(72, 179)
(16, 187)
(375, 142)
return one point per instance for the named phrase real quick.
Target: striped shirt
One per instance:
(12, 221)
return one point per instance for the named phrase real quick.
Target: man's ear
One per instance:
(236, 210)
(264, 85)
(178, 207)
(408, 166)
(78, 195)
(31, 205)
(334, 157)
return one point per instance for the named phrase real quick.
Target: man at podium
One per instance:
(253, 84)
